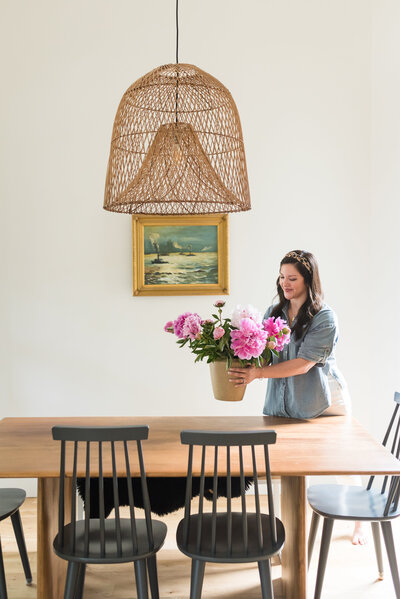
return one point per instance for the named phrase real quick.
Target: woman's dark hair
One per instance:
(307, 266)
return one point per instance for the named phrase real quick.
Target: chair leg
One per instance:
(312, 534)
(3, 588)
(153, 578)
(70, 583)
(196, 579)
(80, 581)
(388, 538)
(323, 555)
(141, 579)
(19, 535)
(378, 548)
(264, 568)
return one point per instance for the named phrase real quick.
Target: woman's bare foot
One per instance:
(359, 534)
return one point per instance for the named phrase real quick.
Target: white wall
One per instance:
(384, 277)
(317, 87)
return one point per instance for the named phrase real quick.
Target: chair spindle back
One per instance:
(391, 484)
(100, 452)
(234, 445)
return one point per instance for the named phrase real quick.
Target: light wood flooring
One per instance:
(351, 571)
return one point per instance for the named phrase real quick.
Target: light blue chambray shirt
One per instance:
(306, 395)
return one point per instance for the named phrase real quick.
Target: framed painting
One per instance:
(180, 255)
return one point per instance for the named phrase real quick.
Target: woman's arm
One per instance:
(244, 376)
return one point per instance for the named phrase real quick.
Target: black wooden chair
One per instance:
(226, 536)
(10, 502)
(378, 506)
(100, 540)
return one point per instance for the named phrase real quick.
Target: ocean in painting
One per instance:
(194, 269)
(181, 255)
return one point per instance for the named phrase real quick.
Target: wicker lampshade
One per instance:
(177, 147)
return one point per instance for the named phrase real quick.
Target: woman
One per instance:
(303, 381)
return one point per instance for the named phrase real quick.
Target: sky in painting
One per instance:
(201, 238)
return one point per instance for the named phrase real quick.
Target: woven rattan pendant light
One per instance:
(177, 146)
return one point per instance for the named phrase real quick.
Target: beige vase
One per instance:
(222, 388)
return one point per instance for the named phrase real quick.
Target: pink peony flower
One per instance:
(271, 344)
(178, 324)
(283, 339)
(192, 327)
(247, 311)
(271, 327)
(280, 323)
(218, 333)
(281, 342)
(169, 326)
(219, 303)
(276, 326)
(249, 341)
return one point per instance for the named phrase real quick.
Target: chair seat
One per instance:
(343, 502)
(129, 554)
(238, 554)
(10, 501)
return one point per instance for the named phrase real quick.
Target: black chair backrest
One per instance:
(391, 484)
(96, 443)
(225, 446)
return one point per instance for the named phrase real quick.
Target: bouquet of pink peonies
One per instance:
(245, 336)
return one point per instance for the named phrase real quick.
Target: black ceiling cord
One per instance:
(177, 29)
(177, 61)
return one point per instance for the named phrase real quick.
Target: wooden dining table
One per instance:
(323, 446)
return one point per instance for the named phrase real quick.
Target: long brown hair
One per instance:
(307, 266)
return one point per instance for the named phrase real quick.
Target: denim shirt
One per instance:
(305, 395)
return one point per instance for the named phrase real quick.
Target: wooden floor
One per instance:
(351, 571)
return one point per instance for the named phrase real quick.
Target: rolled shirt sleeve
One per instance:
(320, 339)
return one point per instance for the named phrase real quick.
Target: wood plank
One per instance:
(330, 445)
(293, 506)
(51, 570)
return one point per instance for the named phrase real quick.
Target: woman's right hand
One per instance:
(243, 376)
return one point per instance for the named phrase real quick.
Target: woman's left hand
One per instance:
(242, 376)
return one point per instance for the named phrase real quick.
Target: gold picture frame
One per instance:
(180, 255)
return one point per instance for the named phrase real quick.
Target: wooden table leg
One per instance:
(51, 570)
(294, 563)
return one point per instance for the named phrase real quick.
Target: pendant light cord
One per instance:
(177, 29)
(177, 61)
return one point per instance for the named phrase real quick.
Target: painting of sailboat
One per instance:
(179, 255)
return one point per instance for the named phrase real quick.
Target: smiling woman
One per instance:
(303, 380)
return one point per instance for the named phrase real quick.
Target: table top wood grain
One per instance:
(323, 446)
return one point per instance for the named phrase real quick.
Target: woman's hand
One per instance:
(242, 376)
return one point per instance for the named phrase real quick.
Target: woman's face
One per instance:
(292, 282)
